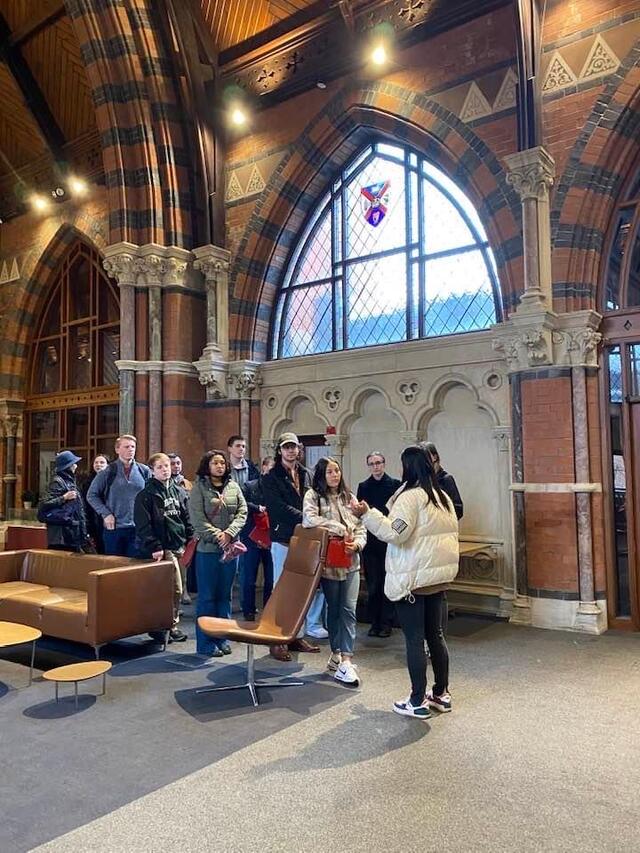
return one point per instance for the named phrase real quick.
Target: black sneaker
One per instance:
(384, 632)
(177, 636)
(157, 636)
(373, 632)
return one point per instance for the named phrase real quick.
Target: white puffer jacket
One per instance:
(423, 542)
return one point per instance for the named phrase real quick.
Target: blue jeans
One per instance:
(120, 542)
(314, 614)
(249, 572)
(342, 598)
(215, 580)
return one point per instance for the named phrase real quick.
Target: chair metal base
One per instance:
(251, 684)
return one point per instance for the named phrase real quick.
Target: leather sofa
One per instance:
(85, 598)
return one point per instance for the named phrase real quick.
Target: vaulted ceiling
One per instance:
(233, 21)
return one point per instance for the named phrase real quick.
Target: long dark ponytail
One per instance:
(418, 472)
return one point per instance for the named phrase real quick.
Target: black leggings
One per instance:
(421, 620)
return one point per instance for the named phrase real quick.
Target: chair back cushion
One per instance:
(294, 591)
(62, 569)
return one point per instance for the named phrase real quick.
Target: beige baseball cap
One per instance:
(288, 438)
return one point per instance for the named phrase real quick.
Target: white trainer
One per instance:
(347, 673)
(318, 633)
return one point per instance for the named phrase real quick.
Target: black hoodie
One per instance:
(161, 517)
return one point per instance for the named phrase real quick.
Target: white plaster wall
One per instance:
(463, 435)
(452, 390)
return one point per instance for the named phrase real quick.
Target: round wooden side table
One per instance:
(79, 672)
(14, 634)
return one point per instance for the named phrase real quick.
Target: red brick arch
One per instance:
(303, 175)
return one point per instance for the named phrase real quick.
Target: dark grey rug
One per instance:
(62, 768)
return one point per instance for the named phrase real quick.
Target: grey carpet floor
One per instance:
(541, 753)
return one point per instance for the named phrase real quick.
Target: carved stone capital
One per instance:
(211, 261)
(502, 436)
(529, 340)
(212, 373)
(150, 265)
(531, 173)
(244, 378)
(336, 443)
(9, 424)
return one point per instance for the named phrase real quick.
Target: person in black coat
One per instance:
(95, 526)
(376, 491)
(445, 480)
(256, 553)
(283, 488)
(63, 499)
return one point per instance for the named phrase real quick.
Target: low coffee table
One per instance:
(14, 634)
(79, 672)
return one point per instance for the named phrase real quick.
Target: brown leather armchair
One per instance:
(282, 618)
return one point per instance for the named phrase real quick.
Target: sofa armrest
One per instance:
(130, 600)
(10, 565)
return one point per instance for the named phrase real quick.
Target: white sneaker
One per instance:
(186, 598)
(318, 633)
(404, 707)
(347, 673)
(334, 662)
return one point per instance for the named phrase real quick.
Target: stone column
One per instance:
(244, 379)
(531, 173)
(152, 271)
(336, 445)
(121, 263)
(213, 263)
(10, 425)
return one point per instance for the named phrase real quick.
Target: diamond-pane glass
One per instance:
(615, 375)
(616, 257)
(377, 301)
(362, 238)
(459, 296)
(424, 268)
(443, 224)
(307, 326)
(314, 263)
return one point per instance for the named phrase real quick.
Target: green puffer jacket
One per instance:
(213, 512)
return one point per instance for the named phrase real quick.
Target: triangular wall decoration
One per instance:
(256, 182)
(506, 97)
(15, 273)
(4, 276)
(234, 190)
(601, 60)
(559, 75)
(475, 104)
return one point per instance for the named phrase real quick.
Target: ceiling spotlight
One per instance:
(39, 203)
(77, 186)
(57, 193)
(379, 55)
(321, 84)
(238, 117)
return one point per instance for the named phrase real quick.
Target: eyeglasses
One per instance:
(374, 464)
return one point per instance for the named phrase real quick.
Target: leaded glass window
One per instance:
(394, 251)
(622, 282)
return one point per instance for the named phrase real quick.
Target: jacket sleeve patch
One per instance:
(399, 525)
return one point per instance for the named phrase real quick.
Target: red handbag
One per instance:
(186, 558)
(260, 533)
(337, 555)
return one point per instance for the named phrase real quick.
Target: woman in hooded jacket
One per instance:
(421, 531)
(64, 509)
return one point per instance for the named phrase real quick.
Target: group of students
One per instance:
(406, 530)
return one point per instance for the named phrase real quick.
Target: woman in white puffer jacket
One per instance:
(422, 559)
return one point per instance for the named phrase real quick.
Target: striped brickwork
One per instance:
(141, 121)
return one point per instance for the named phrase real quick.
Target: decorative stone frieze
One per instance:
(212, 373)
(409, 390)
(531, 341)
(150, 265)
(332, 397)
(531, 173)
(244, 378)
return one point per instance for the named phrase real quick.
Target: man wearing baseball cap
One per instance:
(284, 487)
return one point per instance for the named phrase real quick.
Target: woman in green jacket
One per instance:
(218, 512)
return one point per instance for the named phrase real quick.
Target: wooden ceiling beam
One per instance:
(34, 99)
(48, 12)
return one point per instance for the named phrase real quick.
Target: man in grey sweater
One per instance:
(112, 495)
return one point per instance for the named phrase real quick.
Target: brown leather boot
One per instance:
(302, 645)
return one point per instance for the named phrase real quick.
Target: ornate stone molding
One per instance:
(182, 368)
(150, 265)
(528, 340)
(244, 378)
(502, 436)
(531, 173)
(212, 373)
(9, 425)
(336, 443)
(211, 261)
(332, 397)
